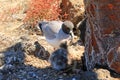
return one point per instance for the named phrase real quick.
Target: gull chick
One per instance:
(59, 59)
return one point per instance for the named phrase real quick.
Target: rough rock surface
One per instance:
(102, 34)
(73, 10)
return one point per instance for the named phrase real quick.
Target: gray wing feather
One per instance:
(52, 29)
(55, 26)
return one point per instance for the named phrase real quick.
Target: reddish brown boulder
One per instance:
(72, 10)
(103, 34)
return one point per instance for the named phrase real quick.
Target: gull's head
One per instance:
(67, 28)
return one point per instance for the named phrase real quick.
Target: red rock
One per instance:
(103, 34)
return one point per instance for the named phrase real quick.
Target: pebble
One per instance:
(44, 75)
(1, 76)
(64, 74)
(60, 77)
(73, 78)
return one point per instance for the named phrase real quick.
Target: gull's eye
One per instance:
(65, 29)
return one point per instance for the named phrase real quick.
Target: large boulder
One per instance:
(102, 42)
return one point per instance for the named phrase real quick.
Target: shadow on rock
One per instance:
(40, 51)
(13, 67)
(11, 58)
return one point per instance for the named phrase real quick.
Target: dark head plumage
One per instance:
(67, 26)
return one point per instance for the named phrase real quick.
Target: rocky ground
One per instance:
(24, 54)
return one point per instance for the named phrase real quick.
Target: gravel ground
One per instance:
(25, 57)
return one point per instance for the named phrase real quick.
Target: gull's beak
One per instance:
(72, 37)
(72, 34)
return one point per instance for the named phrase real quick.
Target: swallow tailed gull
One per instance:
(57, 32)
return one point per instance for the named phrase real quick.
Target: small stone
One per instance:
(24, 38)
(73, 78)
(44, 75)
(60, 77)
(103, 74)
(2, 59)
(1, 76)
(24, 79)
(32, 74)
(18, 17)
(64, 74)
